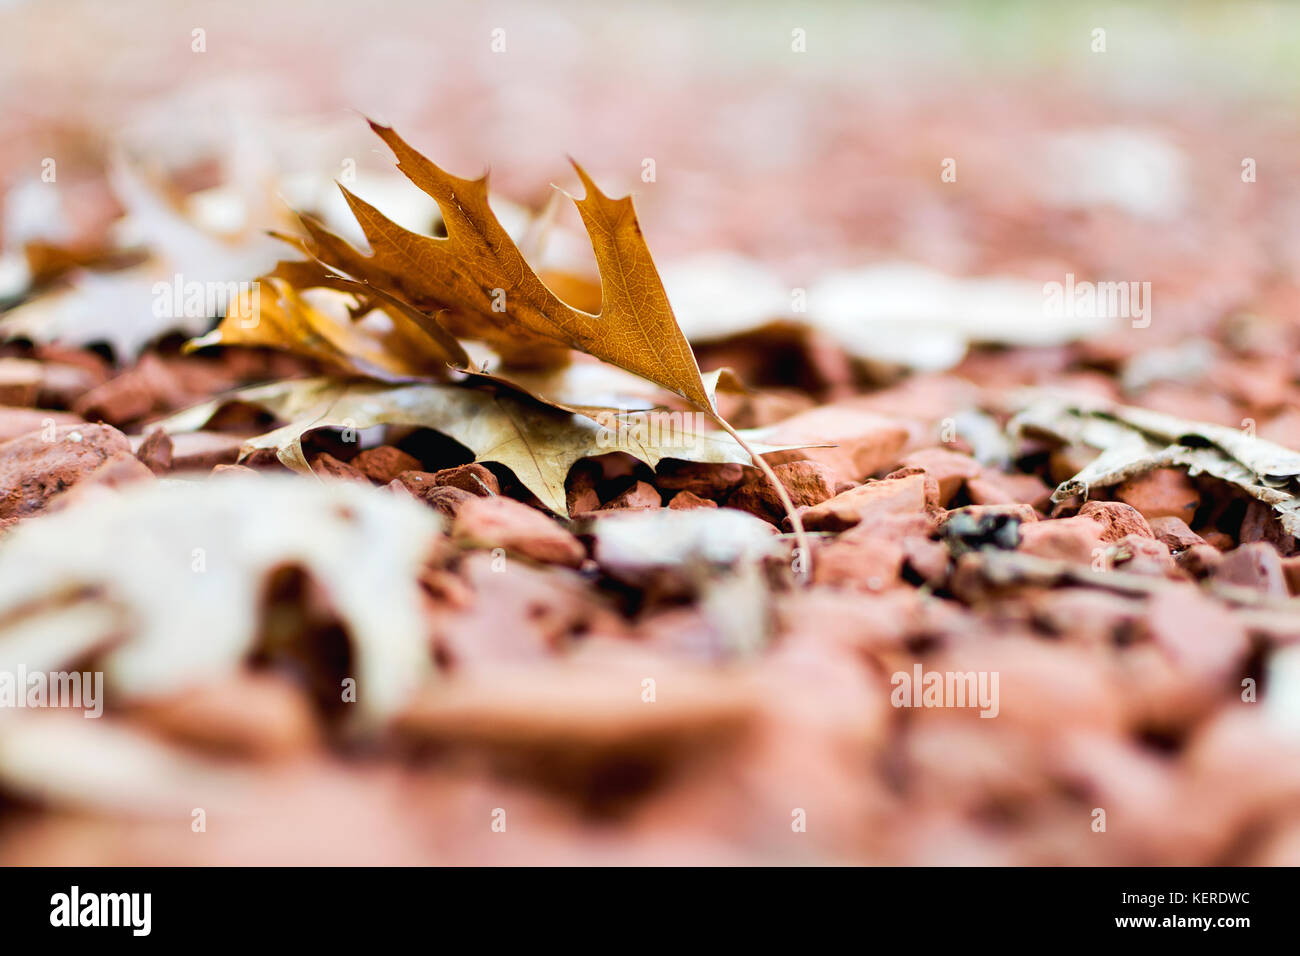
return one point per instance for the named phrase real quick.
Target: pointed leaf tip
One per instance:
(588, 183)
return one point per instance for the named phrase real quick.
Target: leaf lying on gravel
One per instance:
(479, 284)
(304, 309)
(162, 582)
(538, 442)
(475, 284)
(1133, 441)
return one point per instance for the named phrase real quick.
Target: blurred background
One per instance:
(1107, 141)
(805, 159)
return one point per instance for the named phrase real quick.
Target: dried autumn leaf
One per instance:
(538, 442)
(477, 269)
(475, 283)
(413, 345)
(114, 575)
(1133, 441)
(276, 315)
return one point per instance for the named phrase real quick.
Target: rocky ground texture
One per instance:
(1139, 638)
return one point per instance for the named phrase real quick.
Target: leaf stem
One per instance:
(803, 568)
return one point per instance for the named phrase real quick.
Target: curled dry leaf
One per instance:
(1132, 441)
(304, 309)
(478, 283)
(538, 442)
(321, 328)
(163, 584)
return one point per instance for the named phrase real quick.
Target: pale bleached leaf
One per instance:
(538, 442)
(163, 581)
(1132, 441)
